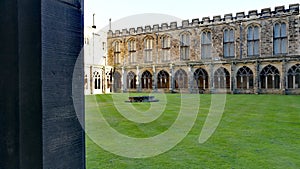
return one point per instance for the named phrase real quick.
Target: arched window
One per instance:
(206, 45)
(117, 81)
(163, 79)
(166, 45)
(200, 79)
(117, 52)
(148, 43)
(253, 41)
(228, 43)
(294, 77)
(184, 46)
(181, 79)
(280, 38)
(270, 78)
(221, 78)
(97, 80)
(131, 80)
(244, 78)
(131, 51)
(146, 80)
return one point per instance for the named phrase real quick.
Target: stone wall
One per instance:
(240, 23)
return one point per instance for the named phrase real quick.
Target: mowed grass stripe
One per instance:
(256, 131)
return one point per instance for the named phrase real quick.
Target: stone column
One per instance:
(172, 85)
(138, 80)
(91, 80)
(257, 78)
(212, 81)
(40, 127)
(190, 79)
(284, 85)
(154, 79)
(232, 77)
(124, 80)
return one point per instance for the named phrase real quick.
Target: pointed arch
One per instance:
(162, 79)
(270, 77)
(221, 78)
(117, 81)
(131, 80)
(97, 80)
(201, 80)
(293, 77)
(244, 78)
(146, 80)
(181, 79)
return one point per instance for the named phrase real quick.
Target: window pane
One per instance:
(231, 49)
(203, 51)
(187, 40)
(208, 37)
(256, 32)
(226, 51)
(226, 36)
(231, 36)
(284, 45)
(276, 46)
(250, 33)
(276, 31)
(256, 47)
(208, 51)
(250, 49)
(283, 30)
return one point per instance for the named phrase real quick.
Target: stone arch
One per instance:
(221, 78)
(162, 79)
(146, 80)
(245, 78)
(117, 81)
(181, 79)
(270, 77)
(201, 80)
(293, 77)
(97, 80)
(131, 80)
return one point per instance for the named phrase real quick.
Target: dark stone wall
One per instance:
(39, 126)
(62, 39)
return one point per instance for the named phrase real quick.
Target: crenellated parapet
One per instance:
(240, 16)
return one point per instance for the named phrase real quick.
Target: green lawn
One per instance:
(256, 131)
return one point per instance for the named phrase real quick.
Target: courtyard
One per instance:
(255, 131)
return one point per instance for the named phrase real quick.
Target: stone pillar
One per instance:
(154, 79)
(91, 80)
(232, 76)
(124, 80)
(211, 84)
(190, 79)
(257, 78)
(138, 79)
(284, 85)
(171, 88)
(39, 125)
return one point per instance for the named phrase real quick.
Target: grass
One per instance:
(256, 131)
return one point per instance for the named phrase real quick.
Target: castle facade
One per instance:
(258, 52)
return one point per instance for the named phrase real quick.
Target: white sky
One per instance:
(183, 9)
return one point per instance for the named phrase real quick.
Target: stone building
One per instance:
(97, 73)
(258, 52)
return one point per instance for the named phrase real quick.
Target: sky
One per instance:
(170, 9)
